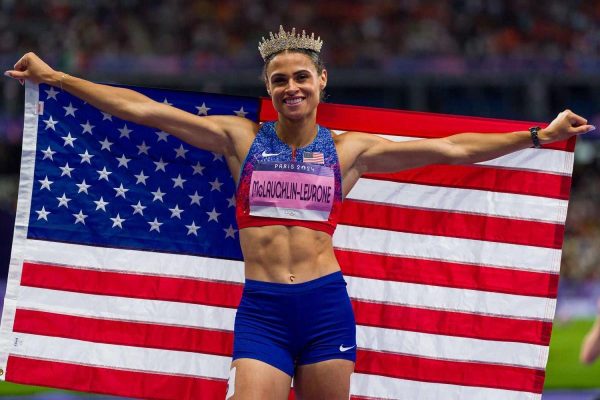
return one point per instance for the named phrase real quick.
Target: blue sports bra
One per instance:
(294, 187)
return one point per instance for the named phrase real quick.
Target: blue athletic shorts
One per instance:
(285, 325)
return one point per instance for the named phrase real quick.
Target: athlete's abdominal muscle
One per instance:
(274, 253)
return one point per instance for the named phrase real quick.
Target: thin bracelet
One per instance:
(60, 80)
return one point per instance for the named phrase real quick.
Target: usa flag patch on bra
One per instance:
(314, 157)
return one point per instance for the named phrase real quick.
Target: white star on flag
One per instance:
(231, 201)
(45, 183)
(192, 229)
(101, 204)
(80, 217)
(141, 178)
(178, 182)
(117, 221)
(160, 165)
(203, 110)
(123, 161)
(106, 116)
(155, 225)
(48, 153)
(180, 152)
(138, 208)
(86, 157)
(143, 149)
(158, 195)
(42, 214)
(66, 170)
(230, 232)
(195, 198)
(198, 168)
(124, 131)
(213, 215)
(176, 212)
(104, 173)
(162, 135)
(83, 187)
(51, 93)
(121, 191)
(215, 185)
(63, 201)
(70, 110)
(217, 156)
(106, 144)
(241, 112)
(87, 128)
(68, 140)
(165, 101)
(50, 123)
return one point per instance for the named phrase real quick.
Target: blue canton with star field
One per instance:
(103, 181)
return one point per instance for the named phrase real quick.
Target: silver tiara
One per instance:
(284, 41)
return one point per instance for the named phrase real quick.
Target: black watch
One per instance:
(534, 136)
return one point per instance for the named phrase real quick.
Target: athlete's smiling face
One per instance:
(294, 84)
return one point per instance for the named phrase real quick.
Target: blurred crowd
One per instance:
(383, 34)
(581, 248)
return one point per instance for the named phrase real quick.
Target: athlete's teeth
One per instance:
(293, 101)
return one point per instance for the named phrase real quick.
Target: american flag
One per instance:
(315, 157)
(126, 269)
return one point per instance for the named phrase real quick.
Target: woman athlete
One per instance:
(295, 318)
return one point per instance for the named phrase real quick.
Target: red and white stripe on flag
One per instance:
(452, 270)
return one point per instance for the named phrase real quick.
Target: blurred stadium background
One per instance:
(515, 59)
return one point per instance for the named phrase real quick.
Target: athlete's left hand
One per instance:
(565, 125)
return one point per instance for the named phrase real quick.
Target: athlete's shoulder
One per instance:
(235, 123)
(351, 144)
(351, 137)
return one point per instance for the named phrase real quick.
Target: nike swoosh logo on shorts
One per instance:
(265, 154)
(342, 348)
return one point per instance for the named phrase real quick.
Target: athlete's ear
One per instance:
(323, 79)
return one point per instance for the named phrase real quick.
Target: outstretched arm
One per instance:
(220, 134)
(375, 154)
(590, 347)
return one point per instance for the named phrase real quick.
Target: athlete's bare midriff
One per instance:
(286, 254)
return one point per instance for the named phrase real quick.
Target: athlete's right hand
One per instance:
(32, 68)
